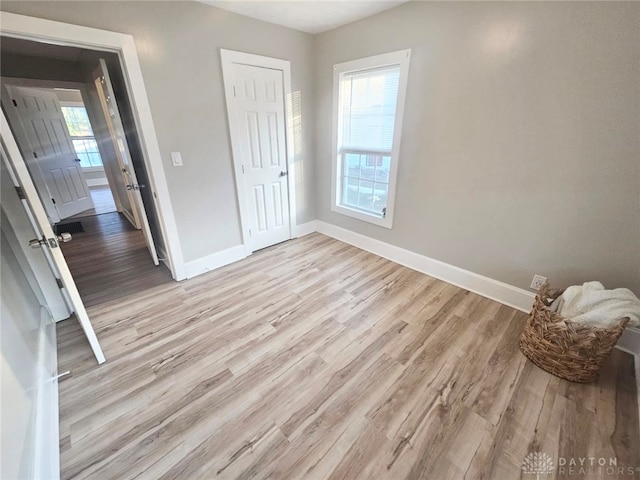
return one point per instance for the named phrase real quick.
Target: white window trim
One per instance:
(91, 137)
(400, 58)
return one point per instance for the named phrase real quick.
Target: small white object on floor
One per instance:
(590, 304)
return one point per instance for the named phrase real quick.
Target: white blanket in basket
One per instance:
(591, 304)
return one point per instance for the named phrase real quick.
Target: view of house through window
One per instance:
(367, 109)
(365, 180)
(370, 94)
(82, 137)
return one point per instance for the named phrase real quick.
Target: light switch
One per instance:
(176, 159)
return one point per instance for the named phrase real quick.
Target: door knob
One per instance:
(51, 242)
(283, 173)
(77, 160)
(36, 243)
(64, 237)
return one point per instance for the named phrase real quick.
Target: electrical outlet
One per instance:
(537, 282)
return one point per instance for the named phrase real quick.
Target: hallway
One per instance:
(103, 202)
(110, 260)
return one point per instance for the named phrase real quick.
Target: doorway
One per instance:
(81, 159)
(87, 153)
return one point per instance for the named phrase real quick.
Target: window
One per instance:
(368, 107)
(84, 143)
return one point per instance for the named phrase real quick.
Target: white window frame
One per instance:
(400, 58)
(92, 137)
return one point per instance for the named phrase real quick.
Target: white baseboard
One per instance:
(213, 261)
(487, 287)
(47, 441)
(162, 257)
(233, 254)
(97, 182)
(305, 229)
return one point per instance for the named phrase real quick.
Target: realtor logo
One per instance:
(538, 463)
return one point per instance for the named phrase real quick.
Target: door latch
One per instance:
(283, 173)
(51, 242)
(134, 186)
(37, 243)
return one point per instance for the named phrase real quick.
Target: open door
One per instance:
(18, 228)
(116, 130)
(44, 238)
(46, 144)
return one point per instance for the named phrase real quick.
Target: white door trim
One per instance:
(65, 34)
(229, 57)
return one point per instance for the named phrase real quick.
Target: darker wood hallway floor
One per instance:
(110, 260)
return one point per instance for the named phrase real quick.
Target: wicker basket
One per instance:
(565, 348)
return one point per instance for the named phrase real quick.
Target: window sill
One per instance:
(93, 169)
(386, 221)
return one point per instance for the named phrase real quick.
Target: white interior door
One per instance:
(43, 234)
(18, 228)
(116, 130)
(258, 101)
(46, 139)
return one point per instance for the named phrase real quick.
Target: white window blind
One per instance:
(367, 108)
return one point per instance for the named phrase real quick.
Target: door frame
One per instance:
(230, 57)
(65, 34)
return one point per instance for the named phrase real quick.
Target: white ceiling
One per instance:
(312, 16)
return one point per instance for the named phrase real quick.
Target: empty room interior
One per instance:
(320, 239)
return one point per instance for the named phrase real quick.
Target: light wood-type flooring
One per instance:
(110, 260)
(103, 202)
(313, 359)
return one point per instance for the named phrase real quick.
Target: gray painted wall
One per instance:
(19, 66)
(179, 45)
(521, 149)
(521, 144)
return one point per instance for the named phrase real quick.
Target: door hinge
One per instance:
(242, 168)
(21, 193)
(234, 91)
(59, 282)
(53, 200)
(249, 232)
(15, 104)
(35, 155)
